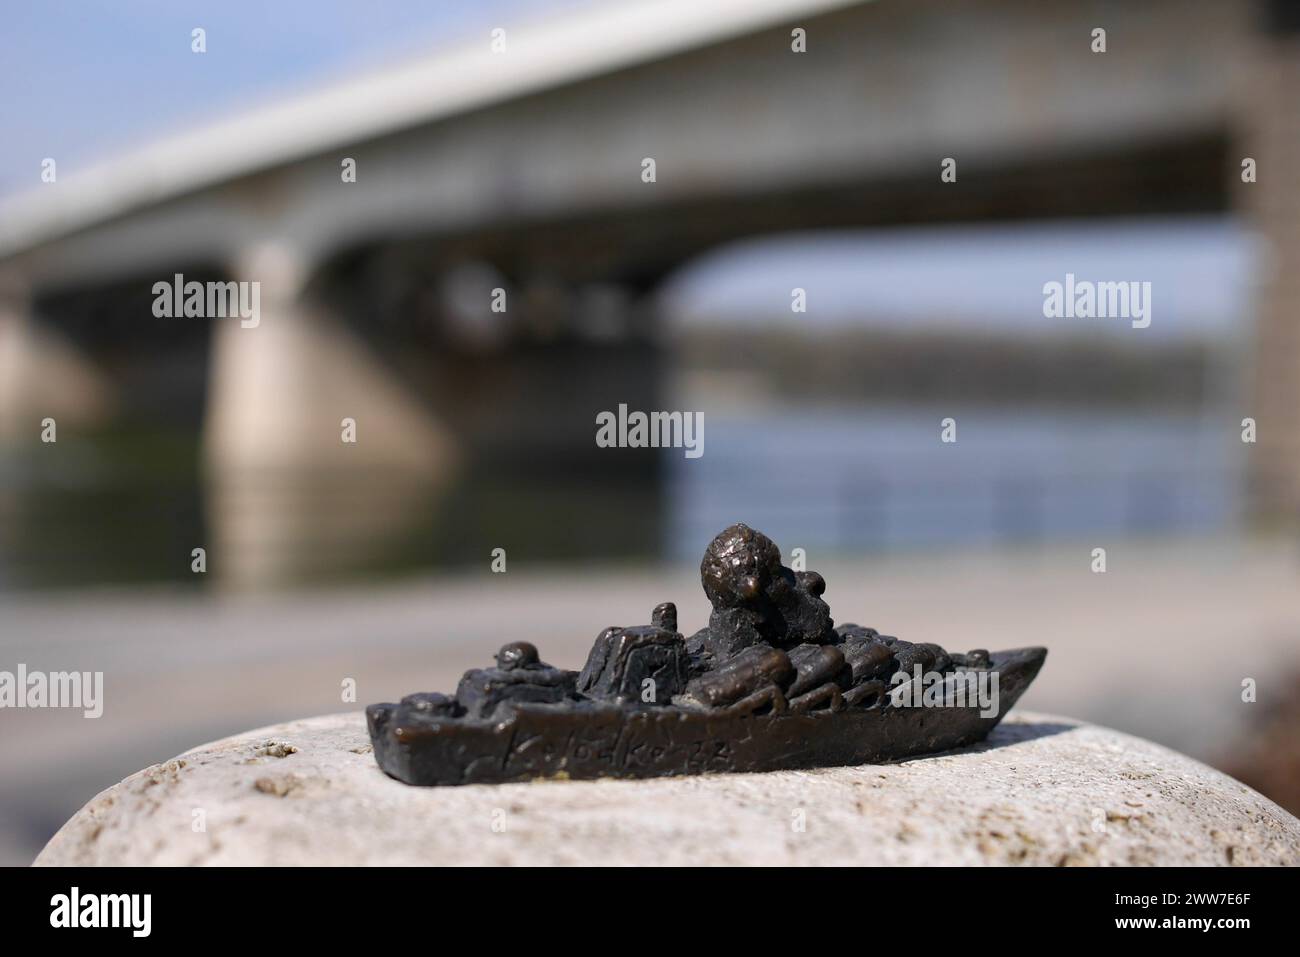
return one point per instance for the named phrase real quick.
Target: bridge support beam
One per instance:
(1272, 138)
(311, 450)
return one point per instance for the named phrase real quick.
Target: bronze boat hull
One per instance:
(595, 739)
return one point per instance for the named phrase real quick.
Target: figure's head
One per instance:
(517, 654)
(742, 570)
(739, 565)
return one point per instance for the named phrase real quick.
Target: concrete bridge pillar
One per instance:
(1272, 139)
(14, 338)
(310, 448)
(41, 375)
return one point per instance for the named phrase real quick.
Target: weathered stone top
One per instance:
(1039, 790)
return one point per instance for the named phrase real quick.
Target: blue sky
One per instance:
(85, 78)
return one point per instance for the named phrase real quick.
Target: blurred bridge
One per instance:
(524, 169)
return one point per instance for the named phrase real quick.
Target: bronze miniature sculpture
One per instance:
(770, 684)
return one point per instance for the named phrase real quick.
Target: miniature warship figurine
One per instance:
(771, 683)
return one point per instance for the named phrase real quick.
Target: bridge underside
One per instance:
(640, 247)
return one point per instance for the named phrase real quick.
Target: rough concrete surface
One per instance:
(1040, 790)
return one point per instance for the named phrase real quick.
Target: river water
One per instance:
(845, 481)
